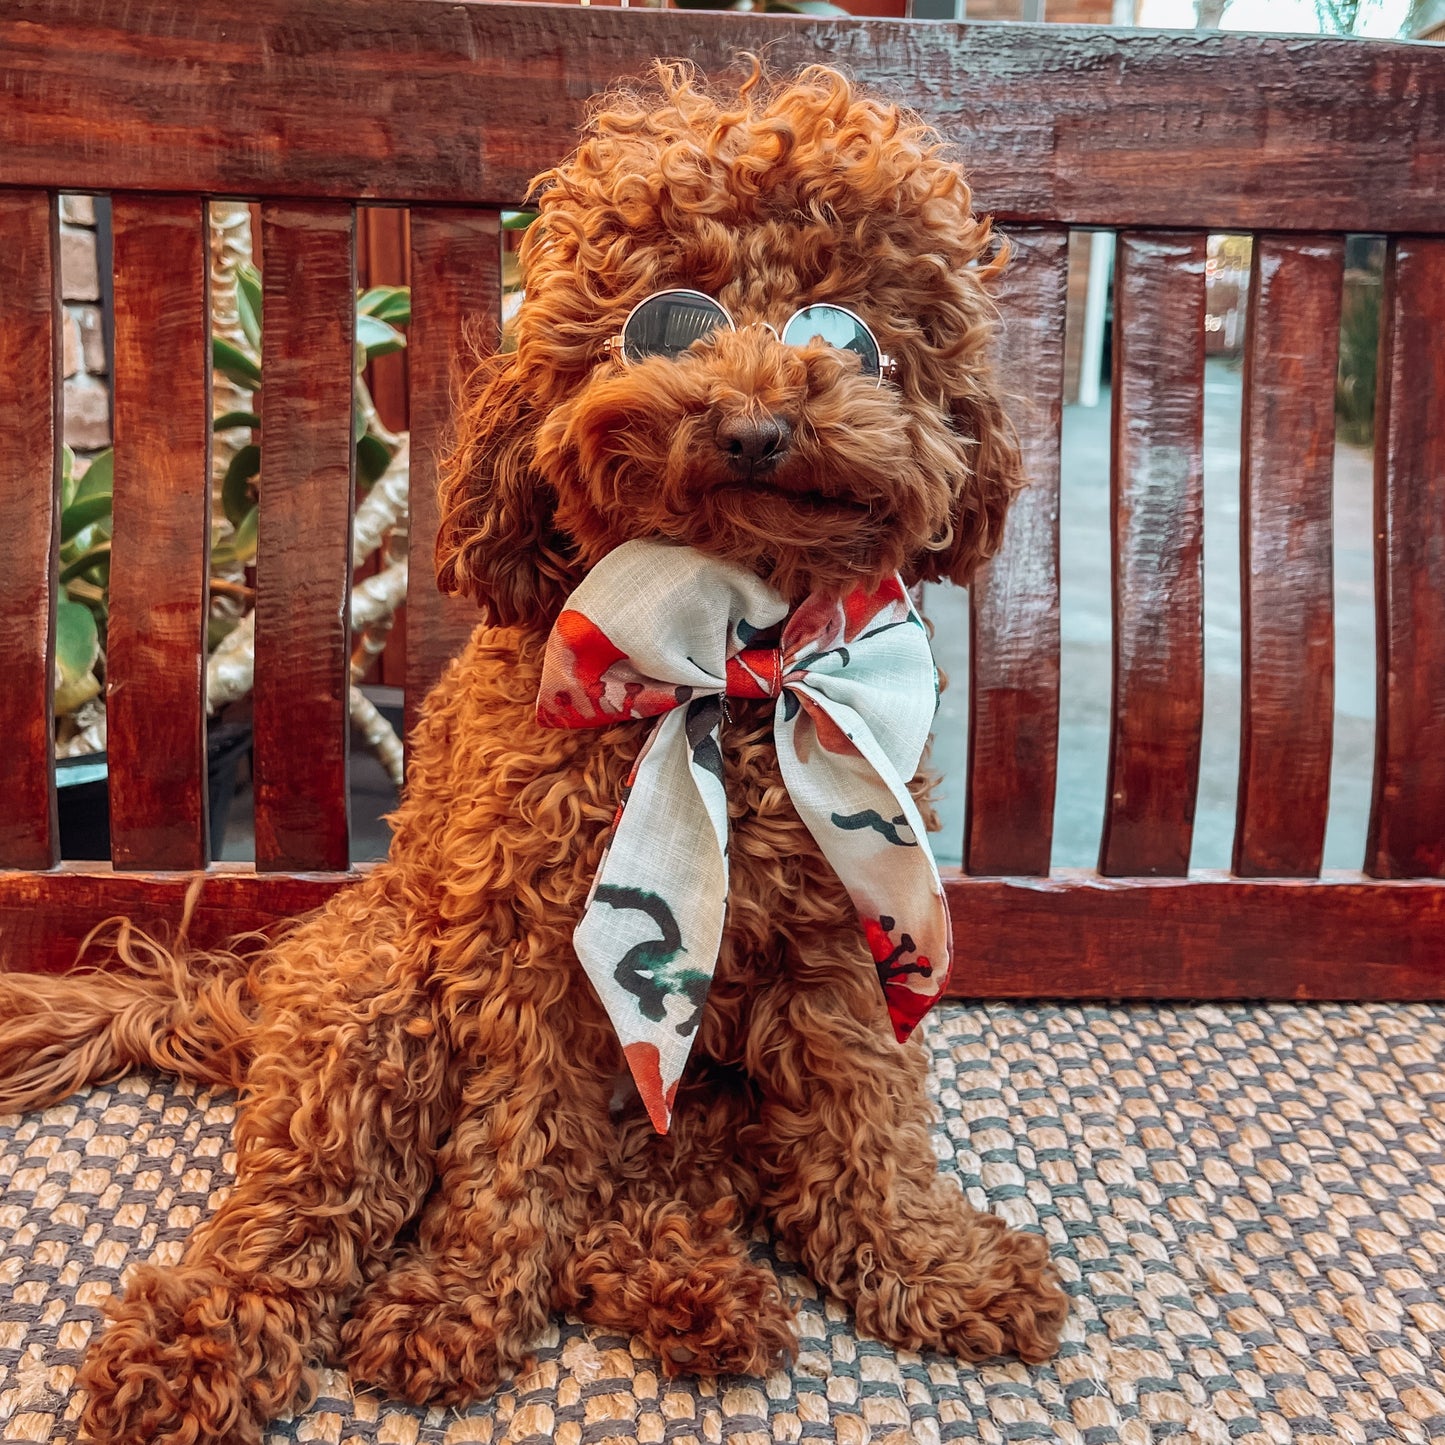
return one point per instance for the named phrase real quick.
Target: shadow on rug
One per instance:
(1246, 1204)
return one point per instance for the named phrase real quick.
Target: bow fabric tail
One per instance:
(860, 693)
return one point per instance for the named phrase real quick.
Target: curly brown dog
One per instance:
(432, 1155)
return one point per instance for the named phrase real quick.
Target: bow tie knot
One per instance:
(660, 631)
(755, 672)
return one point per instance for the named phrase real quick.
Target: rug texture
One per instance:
(1246, 1204)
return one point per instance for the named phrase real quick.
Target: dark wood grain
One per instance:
(1211, 936)
(1157, 499)
(451, 107)
(456, 268)
(1286, 555)
(1013, 729)
(303, 564)
(29, 524)
(1073, 935)
(463, 103)
(1407, 813)
(156, 649)
(44, 916)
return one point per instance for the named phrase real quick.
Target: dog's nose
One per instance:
(750, 442)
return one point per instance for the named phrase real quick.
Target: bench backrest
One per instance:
(311, 106)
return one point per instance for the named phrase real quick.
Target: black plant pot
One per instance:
(84, 797)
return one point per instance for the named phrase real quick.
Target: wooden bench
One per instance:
(310, 106)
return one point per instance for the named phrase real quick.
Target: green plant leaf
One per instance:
(82, 513)
(248, 303)
(99, 478)
(234, 364)
(368, 302)
(361, 408)
(379, 338)
(386, 303)
(372, 459)
(803, 7)
(243, 542)
(520, 220)
(218, 629)
(91, 558)
(235, 496)
(67, 477)
(99, 481)
(249, 316)
(77, 642)
(229, 419)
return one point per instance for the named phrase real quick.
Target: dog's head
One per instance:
(783, 455)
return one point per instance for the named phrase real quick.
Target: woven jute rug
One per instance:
(1246, 1204)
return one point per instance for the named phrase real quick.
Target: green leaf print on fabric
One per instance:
(646, 970)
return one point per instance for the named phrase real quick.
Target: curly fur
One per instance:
(769, 200)
(430, 1155)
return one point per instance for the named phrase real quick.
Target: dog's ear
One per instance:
(992, 474)
(496, 542)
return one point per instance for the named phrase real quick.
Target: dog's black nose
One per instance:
(750, 442)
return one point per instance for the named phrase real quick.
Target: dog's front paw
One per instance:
(995, 1293)
(683, 1283)
(1010, 1303)
(735, 1323)
(188, 1358)
(431, 1342)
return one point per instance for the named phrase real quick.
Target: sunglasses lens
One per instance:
(837, 328)
(668, 323)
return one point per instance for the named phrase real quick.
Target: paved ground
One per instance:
(1085, 666)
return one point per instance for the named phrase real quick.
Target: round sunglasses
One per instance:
(668, 322)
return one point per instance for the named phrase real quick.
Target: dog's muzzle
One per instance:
(753, 443)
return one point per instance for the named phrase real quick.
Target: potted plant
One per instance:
(382, 469)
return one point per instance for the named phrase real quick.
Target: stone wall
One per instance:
(86, 366)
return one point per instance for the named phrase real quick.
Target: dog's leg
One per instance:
(550, 1205)
(462, 1306)
(843, 1151)
(681, 1280)
(671, 1264)
(346, 1097)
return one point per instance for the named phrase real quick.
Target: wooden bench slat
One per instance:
(303, 564)
(29, 523)
(1157, 501)
(1286, 555)
(1208, 936)
(1072, 935)
(1013, 730)
(1407, 812)
(155, 659)
(45, 916)
(464, 103)
(456, 300)
(453, 107)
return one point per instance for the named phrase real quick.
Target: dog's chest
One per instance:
(761, 814)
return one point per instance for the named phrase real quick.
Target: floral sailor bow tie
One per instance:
(658, 630)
